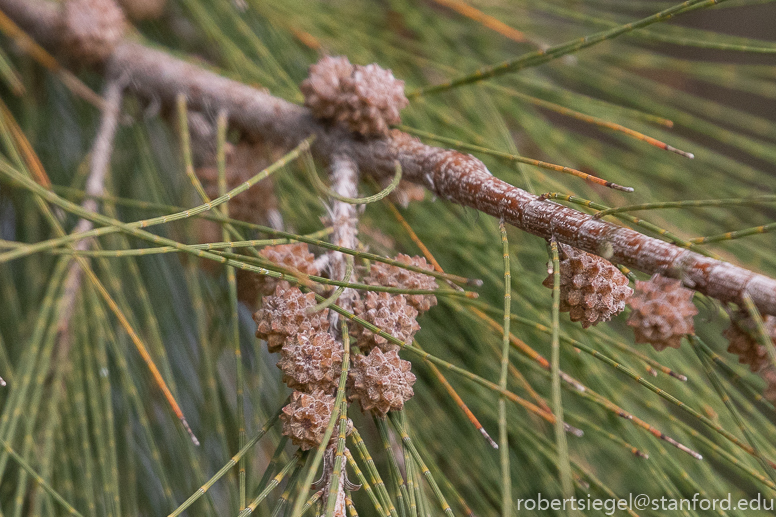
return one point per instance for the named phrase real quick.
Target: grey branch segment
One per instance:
(454, 176)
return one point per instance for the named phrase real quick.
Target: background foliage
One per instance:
(83, 411)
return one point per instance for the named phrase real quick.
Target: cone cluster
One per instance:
(662, 312)
(366, 99)
(592, 290)
(311, 359)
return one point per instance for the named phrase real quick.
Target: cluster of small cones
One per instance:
(311, 359)
(592, 290)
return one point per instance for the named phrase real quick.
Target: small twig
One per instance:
(100, 161)
(344, 220)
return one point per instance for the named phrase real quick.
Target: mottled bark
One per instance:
(454, 176)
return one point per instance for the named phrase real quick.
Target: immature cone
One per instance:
(391, 314)
(367, 99)
(592, 290)
(382, 382)
(394, 276)
(305, 418)
(662, 312)
(91, 29)
(311, 362)
(743, 341)
(284, 314)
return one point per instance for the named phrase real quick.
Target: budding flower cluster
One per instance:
(311, 359)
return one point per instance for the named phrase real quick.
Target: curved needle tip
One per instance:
(680, 152)
(191, 433)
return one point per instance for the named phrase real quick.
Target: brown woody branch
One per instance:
(457, 177)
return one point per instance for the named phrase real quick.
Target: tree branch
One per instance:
(457, 177)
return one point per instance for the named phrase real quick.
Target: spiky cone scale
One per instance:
(662, 312)
(305, 418)
(394, 276)
(381, 382)
(743, 341)
(366, 99)
(91, 29)
(592, 290)
(311, 362)
(284, 314)
(390, 313)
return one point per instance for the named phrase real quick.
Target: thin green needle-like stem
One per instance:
(399, 422)
(231, 463)
(587, 424)
(564, 467)
(365, 485)
(43, 194)
(48, 195)
(209, 246)
(273, 462)
(297, 461)
(220, 257)
(723, 395)
(727, 236)
(667, 396)
(374, 475)
(294, 277)
(743, 383)
(401, 489)
(542, 56)
(290, 487)
(338, 291)
(183, 129)
(308, 239)
(313, 499)
(503, 431)
(691, 203)
(339, 459)
(324, 189)
(38, 479)
(231, 280)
